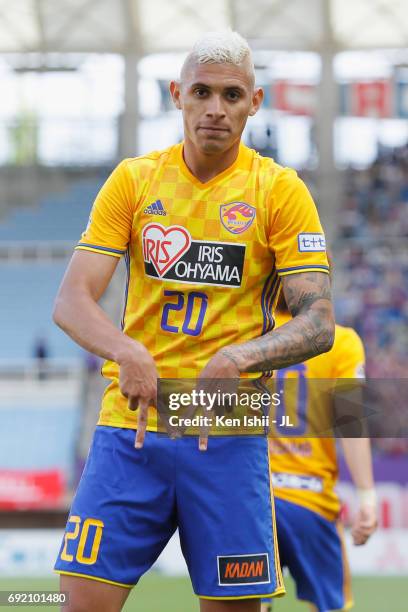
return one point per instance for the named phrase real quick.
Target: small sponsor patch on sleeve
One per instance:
(311, 243)
(243, 569)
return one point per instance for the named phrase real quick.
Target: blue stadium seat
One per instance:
(60, 217)
(28, 291)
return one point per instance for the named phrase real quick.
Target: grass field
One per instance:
(157, 593)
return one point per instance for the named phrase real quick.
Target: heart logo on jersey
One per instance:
(164, 246)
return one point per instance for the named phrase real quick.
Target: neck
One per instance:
(206, 166)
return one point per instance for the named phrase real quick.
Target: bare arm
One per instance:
(309, 333)
(78, 313)
(357, 452)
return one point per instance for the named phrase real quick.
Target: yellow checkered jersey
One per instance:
(203, 259)
(304, 469)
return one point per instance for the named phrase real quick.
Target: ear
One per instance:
(175, 94)
(257, 99)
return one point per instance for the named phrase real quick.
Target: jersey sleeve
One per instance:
(350, 355)
(110, 222)
(296, 235)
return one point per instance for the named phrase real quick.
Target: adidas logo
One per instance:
(156, 208)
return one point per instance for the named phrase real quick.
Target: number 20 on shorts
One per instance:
(82, 531)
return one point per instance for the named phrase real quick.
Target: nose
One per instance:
(215, 108)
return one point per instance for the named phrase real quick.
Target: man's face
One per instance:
(216, 100)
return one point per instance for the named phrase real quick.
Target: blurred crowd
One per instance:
(373, 299)
(372, 261)
(376, 199)
(373, 251)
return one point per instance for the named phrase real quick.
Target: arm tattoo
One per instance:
(302, 293)
(309, 333)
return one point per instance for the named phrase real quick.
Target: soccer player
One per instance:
(304, 474)
(209, 230)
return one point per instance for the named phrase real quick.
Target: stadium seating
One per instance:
(60, 217)
(29, 288)
(29, 291)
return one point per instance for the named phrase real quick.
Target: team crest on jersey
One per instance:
(171, 254)
(237, 217)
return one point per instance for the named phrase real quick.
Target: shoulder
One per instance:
(278, 183)
(348, 353)
(346, 340)
(269, 167)
(148, 161)
(346, 334)
(268, 164)
(283, 183)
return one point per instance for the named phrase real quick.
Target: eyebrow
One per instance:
(207, 86)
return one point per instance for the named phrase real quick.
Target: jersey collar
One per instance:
(242, 161)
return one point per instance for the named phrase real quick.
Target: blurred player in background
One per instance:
(304, 475)
(209, 230)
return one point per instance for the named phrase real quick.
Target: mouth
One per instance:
(211, 128)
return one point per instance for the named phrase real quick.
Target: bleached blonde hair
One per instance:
(224, 47)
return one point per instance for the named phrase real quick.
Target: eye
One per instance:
(200, 92)
(233, 95)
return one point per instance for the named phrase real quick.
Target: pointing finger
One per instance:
(141, 423)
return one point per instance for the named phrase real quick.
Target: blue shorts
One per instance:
(129, 503)
(312, 548)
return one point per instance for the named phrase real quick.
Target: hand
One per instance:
(138, 383)
(221, 366)
(364, 524)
